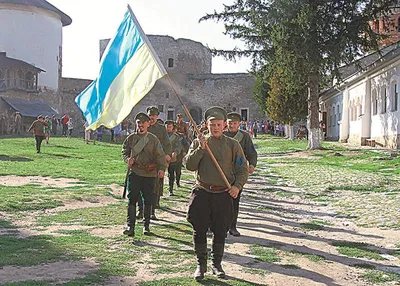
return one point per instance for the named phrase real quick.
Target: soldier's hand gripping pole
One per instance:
(221, 172)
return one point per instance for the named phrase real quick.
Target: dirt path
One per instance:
(266, 219)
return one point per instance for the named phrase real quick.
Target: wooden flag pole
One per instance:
(221, 172)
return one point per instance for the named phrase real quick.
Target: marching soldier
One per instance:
(146, 161)
(211, 205)
(161, 133)
(176, 146)
(250, 152)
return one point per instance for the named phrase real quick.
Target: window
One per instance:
(170, 62)
(374, 103)
(334, 117)
(160, 108)
(170, 114)
(167, 95)
(395, 96)
(339, 114)
(384, 100)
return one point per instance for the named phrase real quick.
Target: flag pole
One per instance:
(221, 172)
(161, 66)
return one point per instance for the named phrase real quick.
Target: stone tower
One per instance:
(32, 32)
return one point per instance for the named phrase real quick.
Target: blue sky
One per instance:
(93, 20)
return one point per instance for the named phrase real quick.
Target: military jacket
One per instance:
(176, 144)
(247, 145)
(229, 155)
(38, 128)
(152, 153)
(161, 133)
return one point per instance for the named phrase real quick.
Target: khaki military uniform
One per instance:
(210, 205)
(143, 174)
(251, 155)
(176, 145)
(161, 133)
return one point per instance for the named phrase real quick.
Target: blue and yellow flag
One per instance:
(128, 71)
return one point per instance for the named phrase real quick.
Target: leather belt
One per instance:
(148, 168)
(211, 187)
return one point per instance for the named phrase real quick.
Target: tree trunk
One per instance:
(290, 132)
(314, 132)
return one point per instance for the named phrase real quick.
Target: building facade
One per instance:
(366, 105)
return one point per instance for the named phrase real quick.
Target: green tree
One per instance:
(321, 34)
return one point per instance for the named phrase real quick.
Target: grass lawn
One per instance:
(94, 168)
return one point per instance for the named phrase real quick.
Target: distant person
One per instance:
(64, 122)
(18, 123)
(54, 124)
(38, 131)
(47, 129)
(70, 125)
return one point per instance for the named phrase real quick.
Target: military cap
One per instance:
(152, 110)
(233, 116)
(159, 120)
(168, 122)
(142, 117)
(179, 115)
(215, 112)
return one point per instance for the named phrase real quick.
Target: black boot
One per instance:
(140, 212)
(233, 231)
(217, 253)
(201, 253)
(130, 220)
(146, 221)
(171, 188)
(178, 179)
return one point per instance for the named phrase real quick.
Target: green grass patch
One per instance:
(357, 249)
(114, 214)
(6, 224)
(29, 251)
(264, 253)
(311, 226)
(375, 276)
(310, 256)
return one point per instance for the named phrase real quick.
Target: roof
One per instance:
(30, 108)
(366, 61)
(6, 62)
(65, 19)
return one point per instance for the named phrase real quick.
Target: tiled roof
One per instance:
(30, 108)
(6, 62)
(65, 19)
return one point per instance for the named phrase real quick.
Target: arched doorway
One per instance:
(196, 114)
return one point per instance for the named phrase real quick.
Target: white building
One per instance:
(365, 108)
(32, 32)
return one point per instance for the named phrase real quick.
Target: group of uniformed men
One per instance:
(213, 203)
